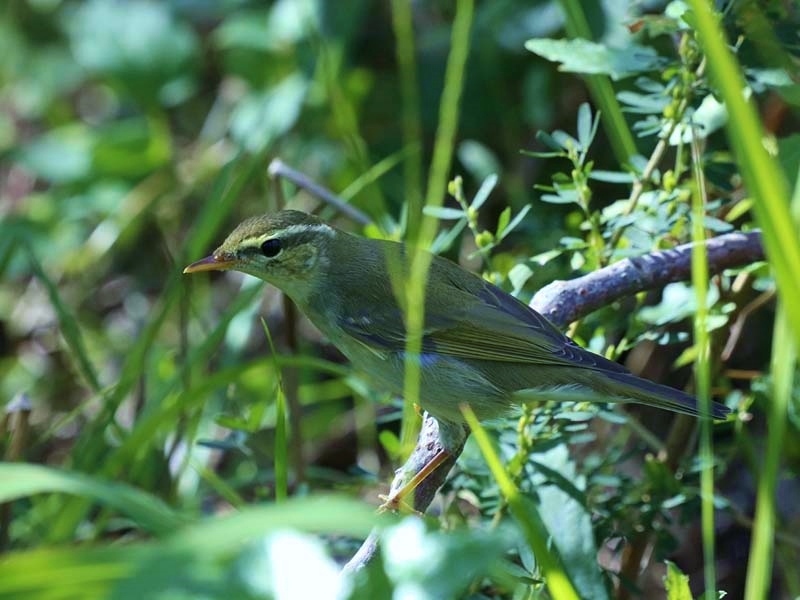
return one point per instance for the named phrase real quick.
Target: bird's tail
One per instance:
(642, 391)
(610, 386)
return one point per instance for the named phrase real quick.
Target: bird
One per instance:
(480, 345)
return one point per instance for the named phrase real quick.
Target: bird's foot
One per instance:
(395, 501)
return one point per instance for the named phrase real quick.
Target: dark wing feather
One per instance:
(474, 320)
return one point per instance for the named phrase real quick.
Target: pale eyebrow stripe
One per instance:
(316, 227)
(289, 232)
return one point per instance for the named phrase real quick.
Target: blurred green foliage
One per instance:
(134, 135)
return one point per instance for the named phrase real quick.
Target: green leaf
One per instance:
(503, 220)
(519, 275)
(131, 148)
(710, 116)
(61, 155)
(247, 29)
(545, 257)
(611, 176)
(444, 213)
(676, 583)
(262, 117)
(763, 79)
(761, 173)
(583, 56)
(288, 22)
(478, 159)
(565, 140)
(76, 572)
(547, 140)
(644, 104)
(447, 237)
(514, 222)
(140, 44)
(678, 302)
(209, 559)
(442, 564)
(564, 195)
(19, 480)
(789, 154)
(321, 513)
(560, 503)
(527, 516)
(587, 125)
(483, 192)
(716, 225)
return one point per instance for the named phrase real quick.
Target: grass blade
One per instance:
(417, 280)
(765, 180)
(702, 341)
(784, 363)
(68, 324)
(20, 480)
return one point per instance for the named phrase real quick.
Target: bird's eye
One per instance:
(271, 248)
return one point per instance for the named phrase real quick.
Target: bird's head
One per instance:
(288, 249)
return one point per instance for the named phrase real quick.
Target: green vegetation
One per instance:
(175, 437)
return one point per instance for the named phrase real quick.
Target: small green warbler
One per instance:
(480, 345)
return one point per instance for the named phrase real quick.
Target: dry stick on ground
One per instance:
(563, 302)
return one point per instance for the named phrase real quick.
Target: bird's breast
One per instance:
(445, 382)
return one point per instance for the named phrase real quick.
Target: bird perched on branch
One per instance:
(479, 345)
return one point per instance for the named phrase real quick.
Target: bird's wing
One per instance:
(502, 328)
(480, 323)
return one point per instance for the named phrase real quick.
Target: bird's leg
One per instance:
(438, 446)
(424, 472)
(401, 489)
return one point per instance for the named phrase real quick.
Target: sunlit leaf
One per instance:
(676, 583)
(583, 56)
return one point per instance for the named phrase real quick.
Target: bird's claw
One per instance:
(395, 503)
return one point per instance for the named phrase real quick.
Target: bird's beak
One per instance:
(210, 263)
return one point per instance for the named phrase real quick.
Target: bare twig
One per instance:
(565, 301)
(277, 168)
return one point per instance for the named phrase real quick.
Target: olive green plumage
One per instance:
(480, 345)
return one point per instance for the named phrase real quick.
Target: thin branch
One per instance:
(565, 301)
(277, 168)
